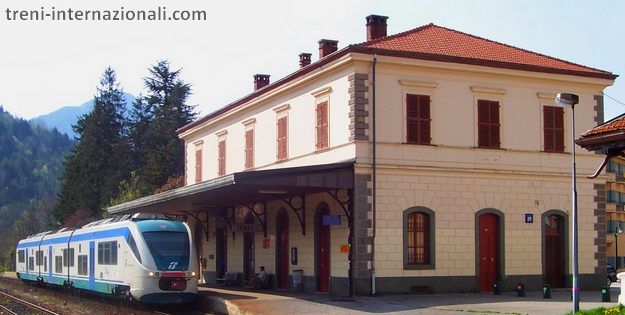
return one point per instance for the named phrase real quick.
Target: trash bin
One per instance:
(605, 294)
(297, 279)
(546, 291)
(497, 288)
(520, 290)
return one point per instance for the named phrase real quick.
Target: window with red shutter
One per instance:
(282, 138)
(418, 119)
(488, 124)
(198, 166)
(553, 130)
(249, 148)
(322, 125)
(222, 158)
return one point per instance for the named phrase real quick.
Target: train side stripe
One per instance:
(79, 237)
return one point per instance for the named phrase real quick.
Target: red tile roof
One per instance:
(616, 124)
(436, 40)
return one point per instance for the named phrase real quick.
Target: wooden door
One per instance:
(283, 251)
(554, 251)
(248, 251)
(489, 256)
(221, 241)
(323, 251)
(248, 256)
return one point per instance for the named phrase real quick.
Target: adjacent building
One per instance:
(402, 164)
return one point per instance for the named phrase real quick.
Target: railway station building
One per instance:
(429, 161)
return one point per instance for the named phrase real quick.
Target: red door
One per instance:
(554, 251)
(283, 251)
(323, 252)
(488, 227)
(248, 251)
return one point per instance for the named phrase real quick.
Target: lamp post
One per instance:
(569, 100)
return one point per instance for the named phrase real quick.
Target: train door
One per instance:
(91, 265)
(282, 249)
(50, 264)
(248, 250)
(323, 248)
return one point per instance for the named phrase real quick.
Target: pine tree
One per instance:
(165, 110)
(98, 163)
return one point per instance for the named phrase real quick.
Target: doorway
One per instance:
(282, 246)
(322, 241)
(554, 250)
(248, 250)
(221, 251)
(488, 251)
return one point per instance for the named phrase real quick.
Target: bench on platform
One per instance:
(261, 285)
(229, 279)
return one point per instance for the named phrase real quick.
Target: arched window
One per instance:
(418, 243)
(418, 238)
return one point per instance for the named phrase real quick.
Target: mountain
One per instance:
(64, 118)
(31, 162)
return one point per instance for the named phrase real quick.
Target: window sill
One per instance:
(419, 267)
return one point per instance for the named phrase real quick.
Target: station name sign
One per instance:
(245, 228)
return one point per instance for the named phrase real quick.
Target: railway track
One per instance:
(14, 305)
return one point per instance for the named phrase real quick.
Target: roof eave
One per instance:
(481, 62)
(603, 141)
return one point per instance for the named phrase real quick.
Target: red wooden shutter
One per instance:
(249, 148)
(488, 124)
(222, 158)
(418, 119)
(553, 130)
(198, 166)
(322, 125)
(282, 140)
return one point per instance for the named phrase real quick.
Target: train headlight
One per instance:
(153, 274)
(192, 273)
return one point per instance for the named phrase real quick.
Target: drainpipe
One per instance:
(375, 60)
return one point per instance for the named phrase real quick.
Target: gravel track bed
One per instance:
(67, 304)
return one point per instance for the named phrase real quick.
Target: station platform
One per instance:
(245, 301)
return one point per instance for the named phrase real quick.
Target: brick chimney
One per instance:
(327, 46)
(304, 59)
(260, 80)
(376, 26)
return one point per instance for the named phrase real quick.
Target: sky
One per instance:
(48, 64)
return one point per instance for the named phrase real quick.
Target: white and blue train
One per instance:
(145, 257)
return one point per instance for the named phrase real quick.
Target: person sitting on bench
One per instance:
(259, 279)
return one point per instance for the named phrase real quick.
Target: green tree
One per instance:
(155, 121)
(30, 165)
(98, 163)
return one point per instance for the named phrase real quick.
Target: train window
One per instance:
(68, 257)
(21, 256)
(39, 258)
(133, 247)
(107, 253)
(167, 243)
(31, 263)
(58, 264)
(82, 265)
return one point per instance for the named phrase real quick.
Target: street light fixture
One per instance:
(570, 100)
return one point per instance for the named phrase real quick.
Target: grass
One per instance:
(617, 310)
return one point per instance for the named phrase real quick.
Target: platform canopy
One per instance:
(245, 187)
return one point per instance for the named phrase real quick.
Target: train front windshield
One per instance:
(167, 243)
